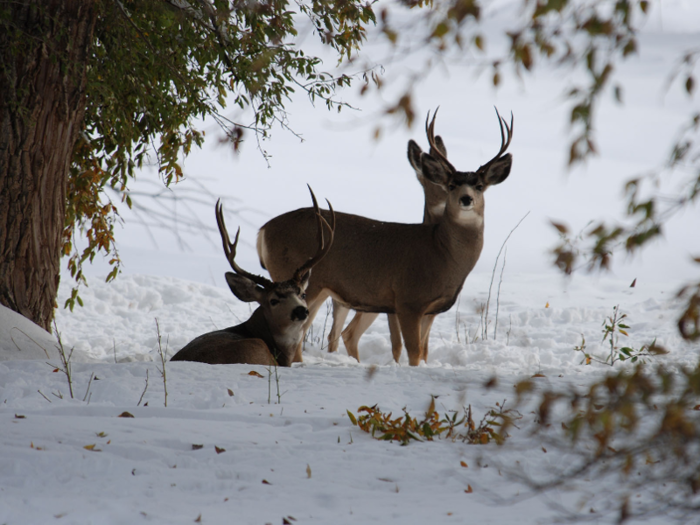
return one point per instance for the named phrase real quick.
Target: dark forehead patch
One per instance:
(286, 288)
(461, 178)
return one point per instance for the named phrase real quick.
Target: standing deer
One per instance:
(275, 330)
(415, 271)
(433, 209)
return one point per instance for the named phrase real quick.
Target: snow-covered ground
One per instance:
(300, 457)
(75, 461)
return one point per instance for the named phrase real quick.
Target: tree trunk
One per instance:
(44, 50)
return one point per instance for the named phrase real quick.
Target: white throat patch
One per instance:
(438, 210)
(290, 336)
(469, 217)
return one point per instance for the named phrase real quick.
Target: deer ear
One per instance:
(498, 171)
(434, 170)
(304, 281)
(414, 153)
(245, 289)
(440, 145)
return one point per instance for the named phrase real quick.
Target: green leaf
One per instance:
(352, 418)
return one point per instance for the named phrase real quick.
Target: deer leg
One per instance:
(410, 323)
(313, 303)
(358, 326)
(395, 335)
(340, 313)
(426, 324)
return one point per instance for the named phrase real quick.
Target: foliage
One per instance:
(156, 67)
(614, 326)
(640, 427)
(405, 428)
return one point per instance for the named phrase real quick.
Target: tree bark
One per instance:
(44, 51)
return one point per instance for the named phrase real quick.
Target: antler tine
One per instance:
(323, 247)
(230, 249)
(430, 132)
(330, 208)
(506, 137)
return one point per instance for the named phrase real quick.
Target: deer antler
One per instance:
(505, 142)
(434, 150)
(322, 247)
(230, 249)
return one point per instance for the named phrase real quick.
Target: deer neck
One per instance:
(257, 326)
(461, 242)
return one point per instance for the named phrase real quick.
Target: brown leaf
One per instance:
(308, 471)
(523, 387)
(491, 383)
(544, 450)
(633, 283)
(219, 450)
(547, 305)
(197, 447)
(125, 414)
(469, 489)
(199, 519)
(464, 464)
(230, 392)
(265, 482)
(20, 416)
(538, 374)
(371, 371)
(560, 227)
(254, 373)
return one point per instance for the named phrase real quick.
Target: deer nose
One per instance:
(300, 313)
(466, 200)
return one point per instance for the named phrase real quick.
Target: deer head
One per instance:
(463, 192)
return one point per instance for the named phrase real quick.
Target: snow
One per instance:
(144, 469)
(299, 456)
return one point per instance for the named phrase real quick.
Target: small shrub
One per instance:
(406, 428)
(613, 327)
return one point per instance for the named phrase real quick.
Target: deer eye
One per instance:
(274, 302)
(303, 296)
(479, 187)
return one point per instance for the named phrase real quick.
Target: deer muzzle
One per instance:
(300, 313)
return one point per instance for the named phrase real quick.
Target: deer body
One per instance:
(273, 334)
(382, 288)
(251, 342)
(412, 270)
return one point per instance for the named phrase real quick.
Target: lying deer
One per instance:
(275, 330)
(433, 209)
(415, 271)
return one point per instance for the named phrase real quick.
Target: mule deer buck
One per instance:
(433, 209)
(415, 271)
(275, 330)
